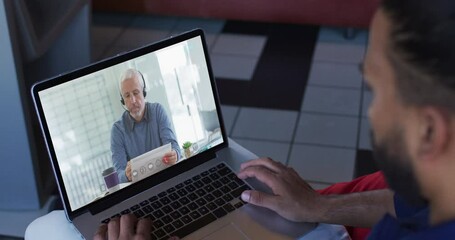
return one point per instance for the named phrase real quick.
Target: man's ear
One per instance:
(434, 132)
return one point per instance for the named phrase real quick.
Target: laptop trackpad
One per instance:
(227, 232)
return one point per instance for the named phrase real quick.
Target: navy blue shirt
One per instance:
(411, 223)
(130, 139)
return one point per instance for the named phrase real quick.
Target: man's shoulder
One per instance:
(154, 105)
(120, 123)
(442, 231)
(403, 226)
(404, 210)
(154, 108)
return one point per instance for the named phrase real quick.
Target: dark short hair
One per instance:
(421, 49)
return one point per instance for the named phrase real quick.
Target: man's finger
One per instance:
(127, 223)
(101, 232)
(170, 157)
(144, 226)
(113, 228)
(262, 174)
(128, 174)
(170, 154)
(264, 162)
(128, 171)
(259, 199)
(169, 160)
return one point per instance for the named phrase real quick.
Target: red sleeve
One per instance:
(368, 182)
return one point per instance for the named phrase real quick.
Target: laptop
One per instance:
(198, 197)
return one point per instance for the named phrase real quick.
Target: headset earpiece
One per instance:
(144, 93)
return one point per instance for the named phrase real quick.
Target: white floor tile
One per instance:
(210, 40)
(266, 124)
(239, 44)
(328, 130)
(323, 164)
(367, 98)
(335, 75)
(136, 37)
(336, 52)
(229, 115)
(331, 100)
(275, 150)
(233, 67)
(365, 139)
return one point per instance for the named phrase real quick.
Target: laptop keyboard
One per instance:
(192, 204)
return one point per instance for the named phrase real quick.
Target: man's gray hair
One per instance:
(130, 73)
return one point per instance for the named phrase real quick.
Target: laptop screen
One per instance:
(124, 123)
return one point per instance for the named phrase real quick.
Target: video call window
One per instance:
(80, 114)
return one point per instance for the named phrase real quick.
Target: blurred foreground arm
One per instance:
(127, 227)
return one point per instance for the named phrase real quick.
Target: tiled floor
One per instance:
(291, 92)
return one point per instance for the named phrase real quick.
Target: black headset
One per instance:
(144, 93)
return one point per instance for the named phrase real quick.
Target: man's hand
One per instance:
(170, 158)
(127, 227)
(292, 197)
(295, 200)
(128, 171)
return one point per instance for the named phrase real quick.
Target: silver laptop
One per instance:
(198, 197)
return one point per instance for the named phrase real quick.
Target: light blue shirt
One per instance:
(130, 139)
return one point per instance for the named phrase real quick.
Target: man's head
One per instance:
(132, 90)
(410, 67)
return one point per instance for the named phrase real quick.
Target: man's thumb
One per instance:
(257, 198)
